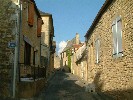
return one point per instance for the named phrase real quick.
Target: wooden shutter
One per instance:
(30, 13)
(98, 43)
(114, 38)
(97, 47)
(119, 35)
(39, 27)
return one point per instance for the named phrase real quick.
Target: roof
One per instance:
(99, 15)
(69, 44)
(37, 11)
(44, 13)
(80, 51)
(78, 45)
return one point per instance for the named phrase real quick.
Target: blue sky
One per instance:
(70, 16)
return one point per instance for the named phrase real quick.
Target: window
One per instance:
(97, 46)
(117, 37)
(27, 54)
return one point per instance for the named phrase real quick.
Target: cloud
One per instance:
(62, 45)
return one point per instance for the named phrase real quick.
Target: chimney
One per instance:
(77, 38)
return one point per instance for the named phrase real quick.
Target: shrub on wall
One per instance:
(69, 58)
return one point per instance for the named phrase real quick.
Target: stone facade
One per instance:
(22, 28)
(29, 37)
(56, 61)
(64, 56)
(79, 63)
(64, 59)
(30, 68)
(47, 44)
(8, 24)
(52, 52)
(112, 74)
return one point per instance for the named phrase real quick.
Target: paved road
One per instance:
(66, 86)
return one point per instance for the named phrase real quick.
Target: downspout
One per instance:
(16, 54)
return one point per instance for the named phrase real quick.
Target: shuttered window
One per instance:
(97, 46)
(117, 37)
(39, 27)
(30, 13)
(114, 38)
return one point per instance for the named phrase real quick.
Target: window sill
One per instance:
(118, 55)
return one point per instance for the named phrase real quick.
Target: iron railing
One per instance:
(28, 72)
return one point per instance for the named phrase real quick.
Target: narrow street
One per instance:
(66, 86)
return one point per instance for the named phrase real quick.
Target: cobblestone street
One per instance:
(66, 86)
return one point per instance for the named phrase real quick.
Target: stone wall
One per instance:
(7, 34)
(113, 75)
(46, 30)
(46, 41)
(56, 61)
(30, 89)
(30, 34)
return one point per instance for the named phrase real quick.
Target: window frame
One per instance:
(117, 37)
(97, 50)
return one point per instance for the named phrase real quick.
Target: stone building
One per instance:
(20, 49)
(68, 49)
(56, 61)
(79, 63)
(8, 34)
(110, 49)
(30, 68)
(74, 68)
(30, 37)
(52, 52)
(47, 44)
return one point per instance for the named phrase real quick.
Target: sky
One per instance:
(70, 17)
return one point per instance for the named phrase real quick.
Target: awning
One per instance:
(27, 40)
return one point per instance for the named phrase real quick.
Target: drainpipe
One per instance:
(16, 54)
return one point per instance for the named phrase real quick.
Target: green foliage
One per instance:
(69, 58)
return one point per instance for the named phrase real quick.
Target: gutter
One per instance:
(99, 15)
